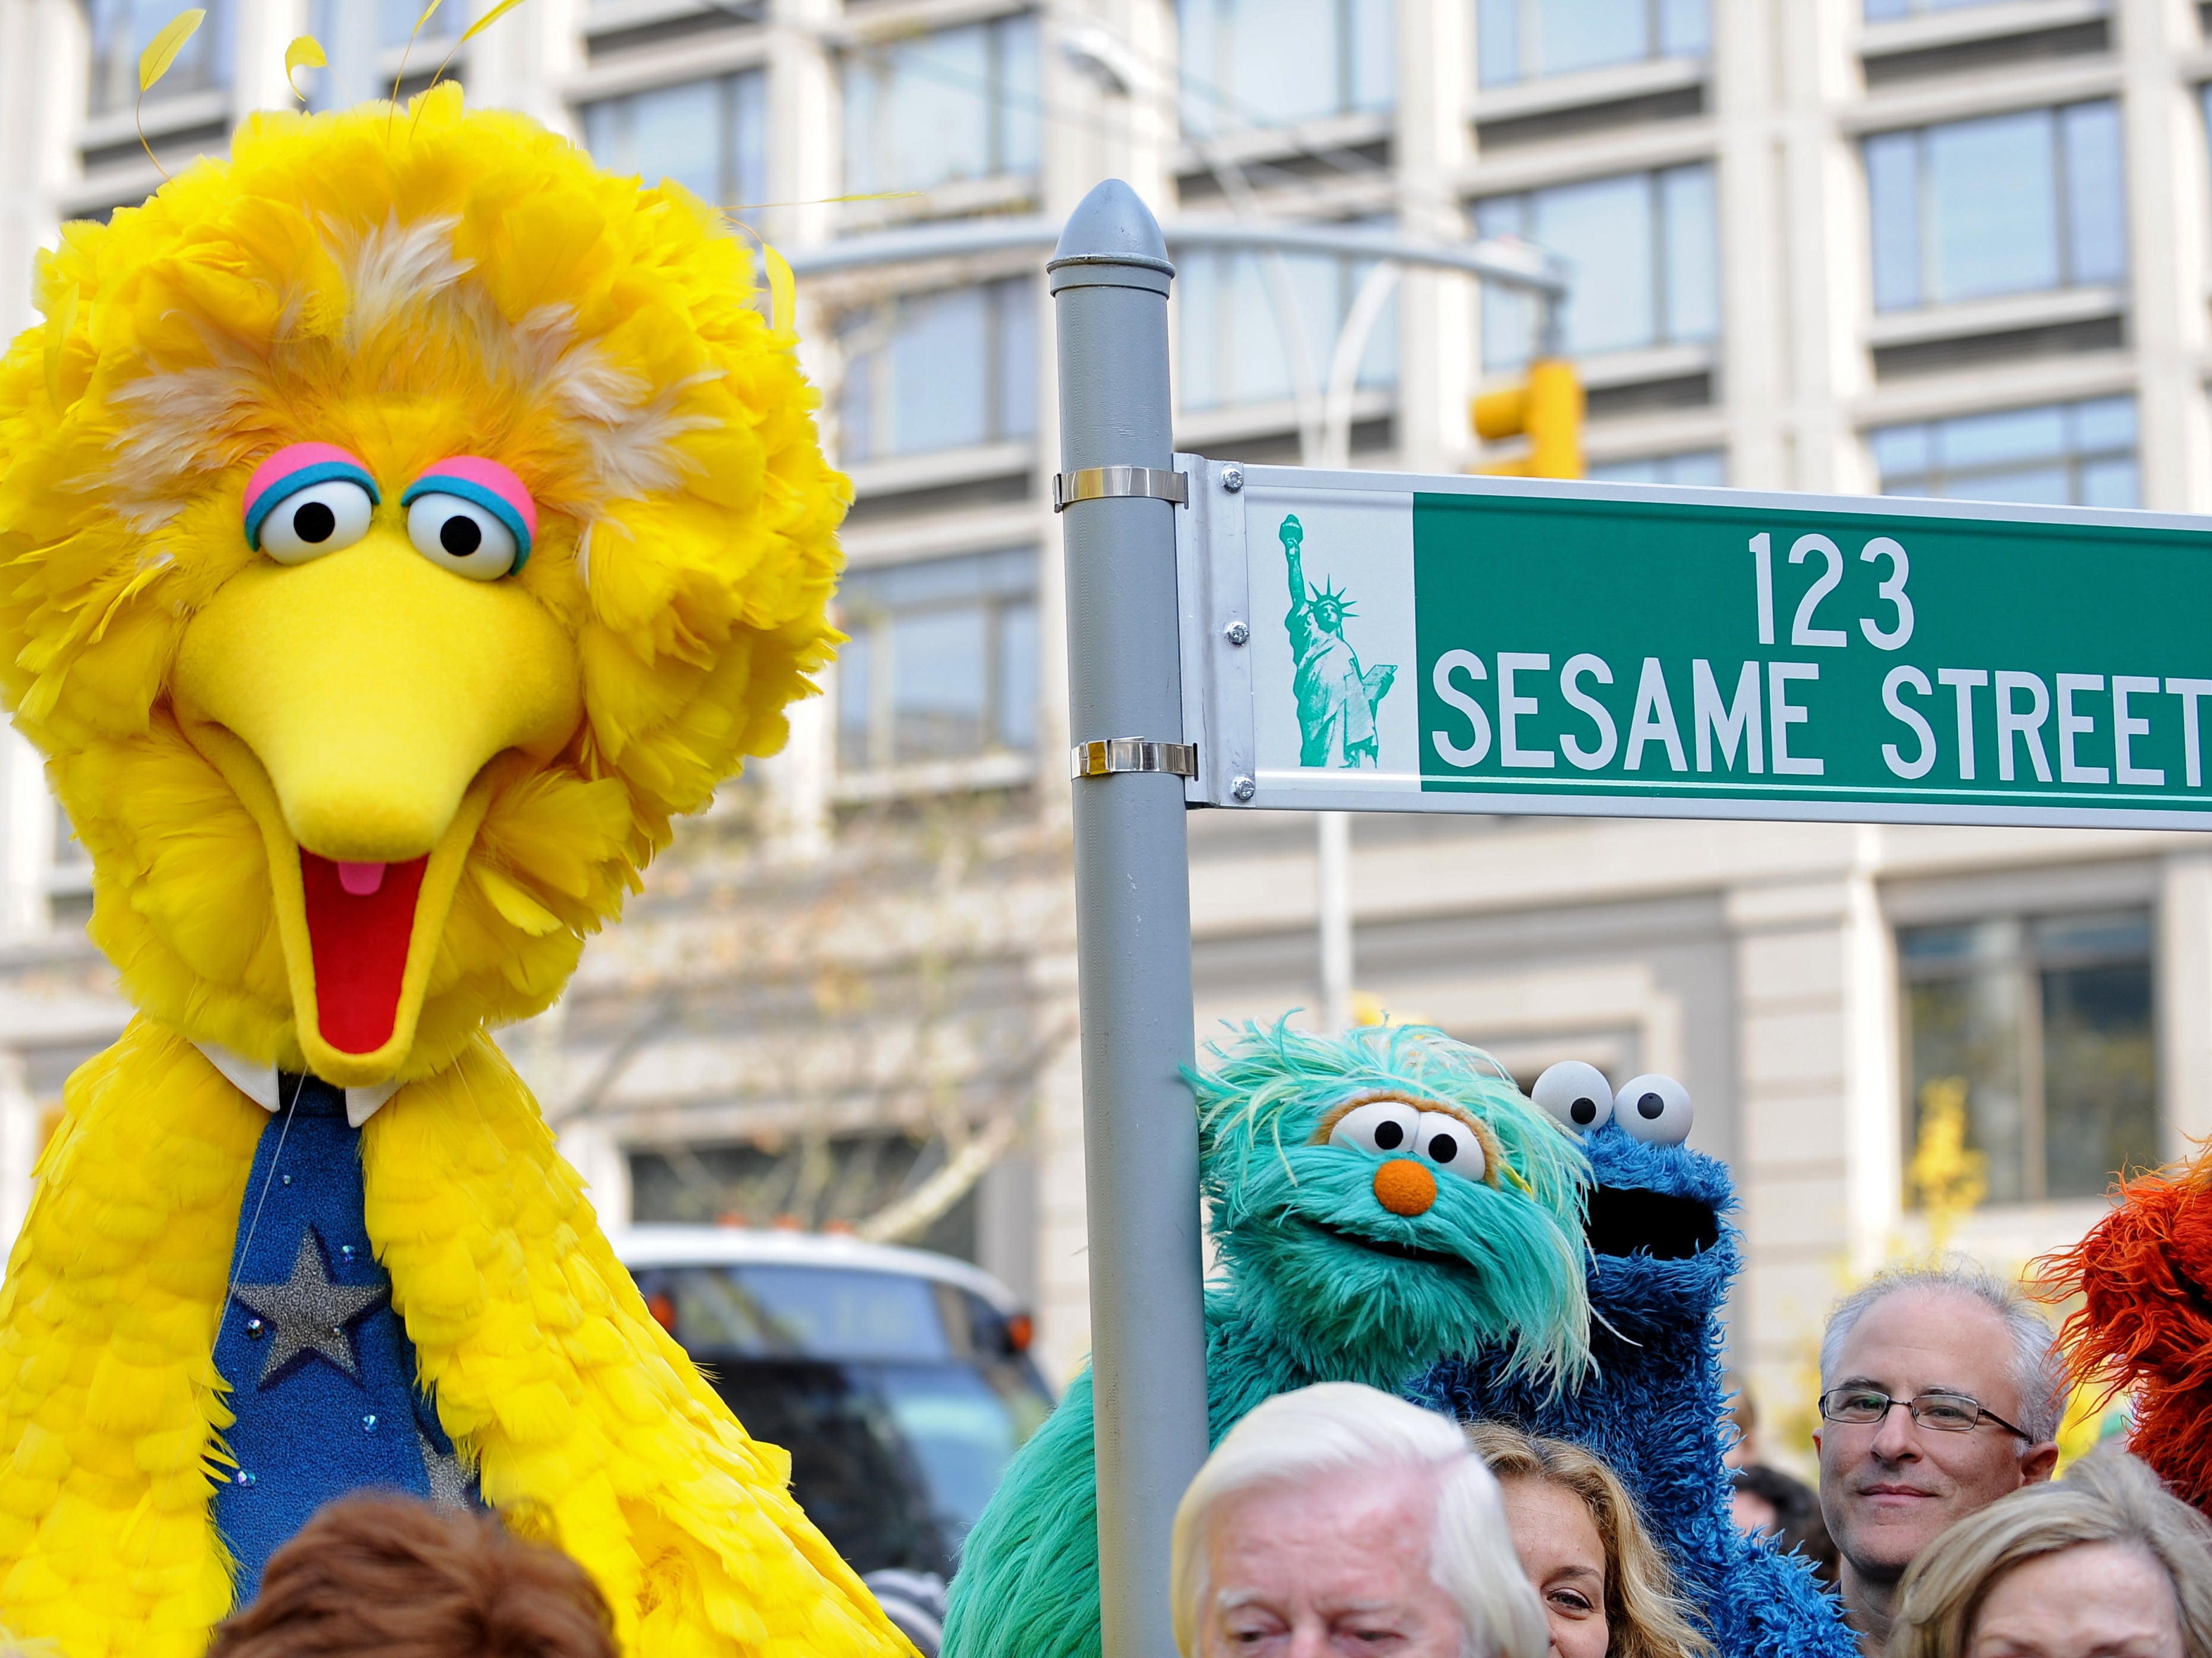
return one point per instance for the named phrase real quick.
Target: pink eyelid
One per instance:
(292, 458)
(488, 474)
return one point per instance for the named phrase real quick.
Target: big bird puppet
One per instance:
(399, 523)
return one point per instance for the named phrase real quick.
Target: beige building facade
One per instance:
(1929, 247)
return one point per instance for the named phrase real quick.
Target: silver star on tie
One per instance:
(308, 1313)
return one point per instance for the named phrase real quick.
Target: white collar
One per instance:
(258, 1082)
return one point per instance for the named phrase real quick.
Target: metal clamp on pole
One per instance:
(1118, 483)
(1105, 756)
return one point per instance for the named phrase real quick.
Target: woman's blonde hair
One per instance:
(1645, 1617)
(2106, 1497)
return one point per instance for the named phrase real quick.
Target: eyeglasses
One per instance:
(1948, 1413)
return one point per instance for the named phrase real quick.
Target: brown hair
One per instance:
(395, 1577)
(2105, 1498)
(1645, 1617)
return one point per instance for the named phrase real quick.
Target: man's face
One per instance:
(1889, 1489)
(1325, 1570)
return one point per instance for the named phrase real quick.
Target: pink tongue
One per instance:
(361, 880)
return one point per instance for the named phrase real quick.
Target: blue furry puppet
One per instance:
(1662, 1260)
(1377, 1200)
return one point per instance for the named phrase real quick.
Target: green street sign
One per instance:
(1369, 641)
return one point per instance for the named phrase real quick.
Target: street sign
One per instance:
(1370, 641)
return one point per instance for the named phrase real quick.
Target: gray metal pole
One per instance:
(1109, 279)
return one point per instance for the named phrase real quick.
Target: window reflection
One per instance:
(2079, 454)
(938, 371)
(1883, 11)
(1704, 469)
(710, 137)
(1643, 251)
(2045, 1026)
(932, 109)
(1234, 348)
(1527, 40)
(121, 31)
(942, 661)
(2003, 204)
(1272, 63)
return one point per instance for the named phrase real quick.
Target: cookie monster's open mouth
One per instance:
(1629, 1220)
(360, 918)
(1382, 1246)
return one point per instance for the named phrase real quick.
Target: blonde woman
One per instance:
(1606, 1590)
(2103, 1562)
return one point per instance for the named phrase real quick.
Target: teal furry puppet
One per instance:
(1377, 1201)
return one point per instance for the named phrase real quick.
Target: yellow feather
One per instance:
(601, 340)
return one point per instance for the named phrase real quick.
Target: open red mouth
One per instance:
(360, 918)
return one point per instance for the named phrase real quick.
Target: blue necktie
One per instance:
(321, 1372)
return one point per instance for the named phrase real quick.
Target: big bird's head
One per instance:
(399, 523)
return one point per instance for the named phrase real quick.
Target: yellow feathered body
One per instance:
(408, 285)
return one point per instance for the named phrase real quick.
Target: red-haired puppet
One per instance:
(2145, 1321)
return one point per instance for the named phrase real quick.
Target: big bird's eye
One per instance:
(1449, 1145)
(1379, 1126)
(1574, 1092)
(473, 516)
(320, 518)
(307, 499)
(1654, 1108)
(461, 535)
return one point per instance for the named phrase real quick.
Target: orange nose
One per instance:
(1404, 1188)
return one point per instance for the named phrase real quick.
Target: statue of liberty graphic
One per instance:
(1337, 698)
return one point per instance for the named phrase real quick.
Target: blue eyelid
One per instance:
(475, 495)
(322, 471)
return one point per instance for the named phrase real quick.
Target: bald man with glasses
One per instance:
(1940, 1391)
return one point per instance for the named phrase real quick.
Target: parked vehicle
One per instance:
(899, 1380)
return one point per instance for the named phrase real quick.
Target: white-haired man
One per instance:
(1338, 1519)
(1940, 1391)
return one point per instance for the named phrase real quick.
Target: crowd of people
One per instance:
(1340, 1519)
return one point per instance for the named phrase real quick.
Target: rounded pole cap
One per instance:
(1111, 240)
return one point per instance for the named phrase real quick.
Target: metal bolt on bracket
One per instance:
(1242, 789)
(1236, 632)
(1232, 478)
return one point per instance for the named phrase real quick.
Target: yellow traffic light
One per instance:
(1548, 408)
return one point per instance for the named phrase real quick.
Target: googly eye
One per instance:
(1655, 1109)
(1574, 1092)
(318, 519)
(463, 537)
(472, 515)
(1449, 1143)
(1384, 1126)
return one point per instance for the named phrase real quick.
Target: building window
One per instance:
(710, 137)
(121, 30)
(1885, 11)
(1703, 469)
(2062, 454)
(1274, 63)
(938, 371)
(942, 663)
(1642, 251)
(931, 109)
(1527, 40)
(2045, 1024)
(1235, 346)
(2004, 205)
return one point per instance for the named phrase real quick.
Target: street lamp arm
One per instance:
(1512, 264)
